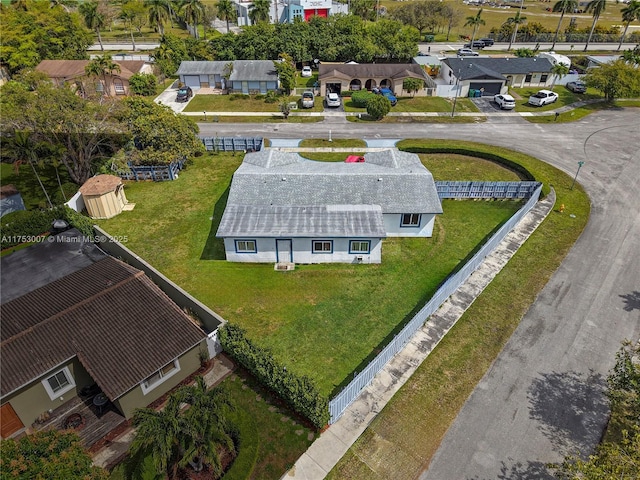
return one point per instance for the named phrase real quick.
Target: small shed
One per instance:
(103, 196)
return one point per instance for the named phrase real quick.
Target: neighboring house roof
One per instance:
(370, 70)
(100, 184)
(109, 315)
(68, 69)
(481, 67)
(254, 70)
(8, 191)
(283, 183)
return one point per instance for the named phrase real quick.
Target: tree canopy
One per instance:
(618, 79)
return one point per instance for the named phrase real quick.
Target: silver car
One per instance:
(333, 100)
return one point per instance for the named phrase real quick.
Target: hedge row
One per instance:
(300, 393)
(361, 97)
(522, 172)
(24, 224)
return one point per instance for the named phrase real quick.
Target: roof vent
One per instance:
(284, 179)
(380, 179)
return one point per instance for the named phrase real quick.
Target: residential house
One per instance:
(495, 75)
(74, 317)
(72, 73)
(291, 10)
(336, 77)
(239, 76)
(283, 208)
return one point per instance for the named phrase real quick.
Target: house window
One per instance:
(322, 246)
(161, 376)
(410, 220)
(59, 383)
(359, 246)
(527, 78)
(246, 246)
(543, 78)
(99, 87)
(118, 86)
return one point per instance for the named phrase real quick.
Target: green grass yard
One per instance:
(243, 103)
(320, 320)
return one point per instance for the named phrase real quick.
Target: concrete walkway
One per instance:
(330, 447)
(117, 449)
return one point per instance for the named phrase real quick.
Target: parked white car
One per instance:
(467, 52)
(306, 71)
(543, 97)
(505, 102)
(333, 100)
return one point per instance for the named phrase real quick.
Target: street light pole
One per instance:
(576, 177)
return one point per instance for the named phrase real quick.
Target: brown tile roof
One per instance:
(370, 70)
(100, 184)
(118, 323)
(8, 190)
(67, 69)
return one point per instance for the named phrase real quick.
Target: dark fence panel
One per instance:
(157, 173)
(233, 144)
(487, 190)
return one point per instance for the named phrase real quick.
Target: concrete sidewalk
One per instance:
(330, 447)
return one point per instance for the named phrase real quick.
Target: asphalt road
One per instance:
(543, 396)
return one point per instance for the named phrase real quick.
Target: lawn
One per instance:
(242, 103)
(320, 320)
(275, 118)
(30, 190)
(580, 112)
(395, 444)
(420, 104)
(565, 97)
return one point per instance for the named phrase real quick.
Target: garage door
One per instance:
(192, 81)
(489, 88)
(9, 421)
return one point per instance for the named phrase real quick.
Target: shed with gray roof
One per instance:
(238, 76)
(282, 207)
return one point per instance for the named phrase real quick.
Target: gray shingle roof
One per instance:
(396, 181)
(480, 67)
(312, 221)
(369, 70)
(202, 68)
(254, 70)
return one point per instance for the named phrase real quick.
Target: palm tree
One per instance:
(259, 11)
(596, 7)
(562, 6)
(159, 435)
(516, 22)
(226, 11)
(159, 13)
(559, 70)
(22, 148)
(193, 12)
(128, 15)
(93, 18)
(629, 13)
(101, 67)
(475, 22)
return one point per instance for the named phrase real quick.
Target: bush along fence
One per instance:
(300, 393)
(340, 402)
(232, 144)
(157, 173)
(488, 190)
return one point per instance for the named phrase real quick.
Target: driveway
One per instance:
(543, 396)
(497, 115)
(168, 98)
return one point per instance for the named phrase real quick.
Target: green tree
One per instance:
(423, 14)
(170, 53)
(285, 108)
(193, 12)
(209, 14)
(615, 80)
(286, 72)
(133, 15)
(630, 13)
(515, 22)
(412, 85)
(452, 15)
(144, 84)
(632, 55)
(624, 391)
(159, 12)
(259, 11)
(365, 9)
(562, 6)
(102, 67)
(378, 106)
(475, 21)
(226, 11)
(38, 32)
(49, 454)
(94, 18)
(559, 70)
(524, 53)
(596, 8)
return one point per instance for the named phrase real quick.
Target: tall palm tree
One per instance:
(23, 148)
(516, 22)
(100, 67)
(559, 70)
(159, 13)
(630, 13)
(562, 6)
(159, 436)
(259, 11)
(475, 21)
(595, 7)
(193, 11)
(94, 19)
(226, 11)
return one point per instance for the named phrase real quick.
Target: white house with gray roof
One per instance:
(238, 76)
(283, 208)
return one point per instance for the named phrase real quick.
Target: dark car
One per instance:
(577, 87)
(184, 94)
(387, 93)
(488, 42)
(479, 44)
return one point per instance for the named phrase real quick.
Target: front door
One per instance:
(9, 421)
(284, 250)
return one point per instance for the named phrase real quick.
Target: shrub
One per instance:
(378, 106)
(361, 97)
(271, 97)
(299, 392)
(143, 84)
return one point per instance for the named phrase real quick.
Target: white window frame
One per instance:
(147, 387)
(323, 243)
(360, 242)
(70, 385)
(245, 241)
(410, 223)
